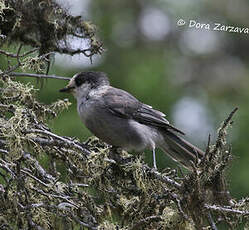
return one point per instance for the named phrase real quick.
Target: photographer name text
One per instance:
(214, 26)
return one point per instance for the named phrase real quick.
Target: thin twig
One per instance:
(18, 53)
(12, 55)
(227, 121)
(221, 131)
(162, 178)
(211, 221)
(15, 74)
(226, 209)
(75, 51)
(178, 202)
(13, 68)
(4, 151)
(65, 198)
(207, 148)
(34, 178)
(66, 141)
(6, 168)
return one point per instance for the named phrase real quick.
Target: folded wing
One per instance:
(123, 104)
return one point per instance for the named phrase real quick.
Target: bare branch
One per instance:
(35, 178)
(161, 177)
(41, 76)
(12, 55)
(230, 210)
(229, 118)
(211, 221)
(66, 141)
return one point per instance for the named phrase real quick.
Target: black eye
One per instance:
(79, 81)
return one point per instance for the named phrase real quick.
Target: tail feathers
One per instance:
(179, 149)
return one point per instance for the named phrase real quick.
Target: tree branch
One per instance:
(230, 210)
(41, 76)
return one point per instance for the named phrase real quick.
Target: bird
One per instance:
(121, 120)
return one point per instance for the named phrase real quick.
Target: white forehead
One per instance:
(74, 76)
(72, 80)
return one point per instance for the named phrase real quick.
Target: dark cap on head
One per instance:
(95, 79)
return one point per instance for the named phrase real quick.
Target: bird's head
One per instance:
(82, 83)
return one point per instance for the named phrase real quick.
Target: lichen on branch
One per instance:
(101, 187)
(46, 28)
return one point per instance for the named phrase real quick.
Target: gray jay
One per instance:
(119, 119)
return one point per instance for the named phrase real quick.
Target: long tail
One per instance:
(179, 149)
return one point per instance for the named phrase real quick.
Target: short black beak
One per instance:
(66, 89)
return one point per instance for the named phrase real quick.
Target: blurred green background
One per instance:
(196, 76)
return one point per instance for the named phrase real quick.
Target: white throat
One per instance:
(82, 91)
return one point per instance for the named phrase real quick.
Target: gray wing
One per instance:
(123, 104)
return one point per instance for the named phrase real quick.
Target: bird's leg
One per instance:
(154, 158)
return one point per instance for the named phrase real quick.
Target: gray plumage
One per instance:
(119, 119)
